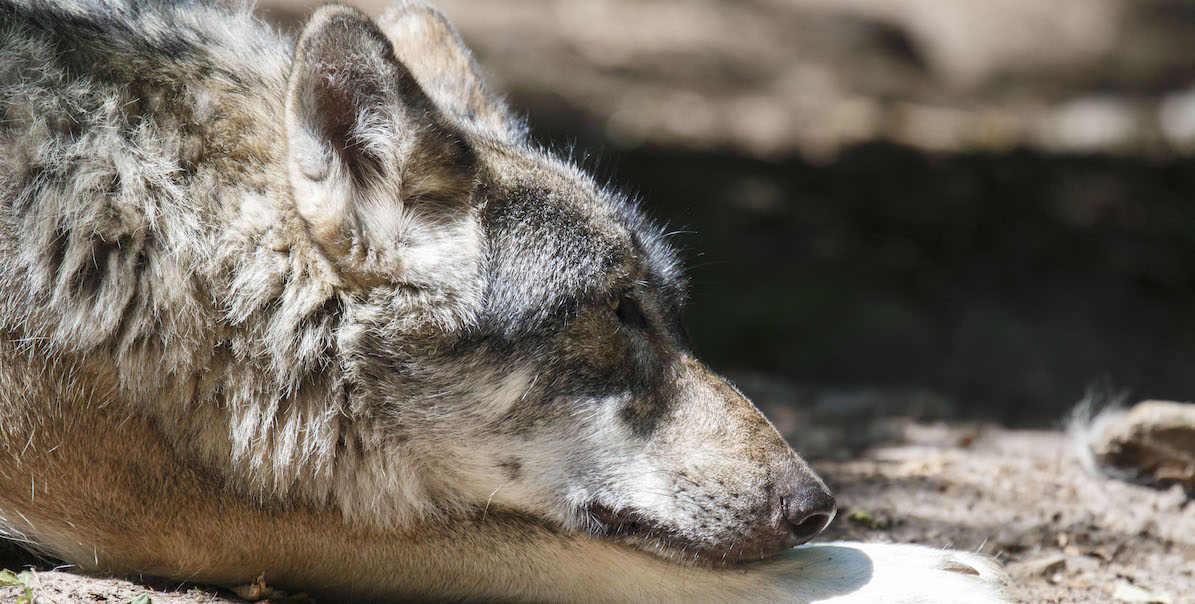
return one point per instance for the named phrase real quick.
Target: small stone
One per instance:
(1127, 592)
(1082, 564)
(1043, 567)
(1154, 441)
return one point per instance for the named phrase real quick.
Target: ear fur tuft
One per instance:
(431, 48)
(369, 154)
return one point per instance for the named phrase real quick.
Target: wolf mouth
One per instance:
(634, 529)
(619, 521)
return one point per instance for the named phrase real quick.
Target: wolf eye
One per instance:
(627, 310)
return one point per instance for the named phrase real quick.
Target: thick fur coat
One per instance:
(321, 309)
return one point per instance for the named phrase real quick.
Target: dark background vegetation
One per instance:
(984, 202)
(1010, 282)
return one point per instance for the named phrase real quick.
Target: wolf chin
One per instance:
(320, 309)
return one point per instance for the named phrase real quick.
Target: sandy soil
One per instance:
(1067, 536)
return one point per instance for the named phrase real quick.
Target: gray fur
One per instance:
(333, 285)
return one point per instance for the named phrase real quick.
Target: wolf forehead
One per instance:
(558, 242)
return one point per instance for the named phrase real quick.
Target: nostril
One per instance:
(808, 512)
(811, 526)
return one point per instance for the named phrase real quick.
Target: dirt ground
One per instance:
(1066, 535)
(1020, 495)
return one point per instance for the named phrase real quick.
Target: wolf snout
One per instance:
(807, 510)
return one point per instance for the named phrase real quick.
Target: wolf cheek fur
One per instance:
(323, 311)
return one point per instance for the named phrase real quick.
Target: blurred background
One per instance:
(974, 209)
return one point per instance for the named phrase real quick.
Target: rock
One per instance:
(1153, 442)
(1082, 564)
(1127, 592)
(1038, 568)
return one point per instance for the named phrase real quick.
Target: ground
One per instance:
(1066, 535)
(988, 201)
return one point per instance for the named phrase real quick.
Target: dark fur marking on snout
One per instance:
(644, 415)
(653, 393)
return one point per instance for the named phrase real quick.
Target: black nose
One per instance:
(808, 509)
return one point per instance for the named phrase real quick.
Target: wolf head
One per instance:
(510, 328)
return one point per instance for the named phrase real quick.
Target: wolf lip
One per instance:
(616, 519)
(623, 524)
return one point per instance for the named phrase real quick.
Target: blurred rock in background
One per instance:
(771, 77)
(988, 199)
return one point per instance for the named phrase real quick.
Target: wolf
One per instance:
(321, 309)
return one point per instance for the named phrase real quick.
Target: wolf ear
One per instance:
(368, 153)
(432, 49)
